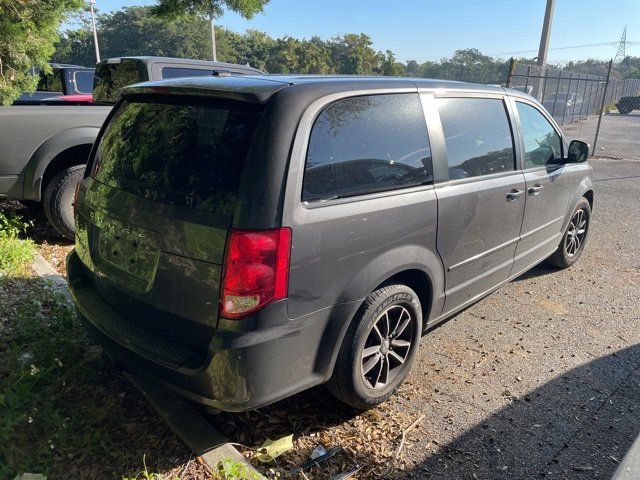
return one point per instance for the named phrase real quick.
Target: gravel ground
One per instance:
(540, 379)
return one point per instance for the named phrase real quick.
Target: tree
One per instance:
(135, 31)
(28, 32)
(208, 8)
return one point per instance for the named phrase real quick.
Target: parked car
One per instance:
(628, 104)
(66, 83)
(242, 239)
(44, 145)
(563, 104)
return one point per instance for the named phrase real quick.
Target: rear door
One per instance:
(549, 186)
(480, 207)
(157, 209)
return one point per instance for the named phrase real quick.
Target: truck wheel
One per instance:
(379, 347)
(58, 200)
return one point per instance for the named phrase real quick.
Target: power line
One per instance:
(603, 44)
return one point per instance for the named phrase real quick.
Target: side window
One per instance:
(542, 144)
(477, 136)
(367, 144)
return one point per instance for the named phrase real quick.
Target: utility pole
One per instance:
(546, 32)
(538, 86)
(95, 32)
(214, 55)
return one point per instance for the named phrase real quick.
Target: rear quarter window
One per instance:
(179, 72)
(179, 151)
(367, 144)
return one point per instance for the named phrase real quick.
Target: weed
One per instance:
(15, 253)
(230, 469)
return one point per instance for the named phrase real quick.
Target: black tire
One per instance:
(567, 253)
(623, 110)
(58, 200)
(349, 383)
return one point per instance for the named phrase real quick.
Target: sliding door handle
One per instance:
(535, 190)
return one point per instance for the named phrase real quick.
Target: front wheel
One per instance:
(379, 347)
(574, 238)
(58, 200)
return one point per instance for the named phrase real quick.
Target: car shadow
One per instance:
(538, 271)
(577, 426)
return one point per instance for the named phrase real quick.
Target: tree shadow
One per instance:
(577, 426)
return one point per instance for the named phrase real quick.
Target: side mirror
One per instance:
(578, 151)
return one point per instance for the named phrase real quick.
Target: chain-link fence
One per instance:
(598, 109)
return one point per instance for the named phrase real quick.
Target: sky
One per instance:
(431, 29)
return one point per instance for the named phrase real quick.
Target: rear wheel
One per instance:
(58, 200)
(379, 347)
(574, 238)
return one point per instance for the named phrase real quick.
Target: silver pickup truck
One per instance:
(44, 147)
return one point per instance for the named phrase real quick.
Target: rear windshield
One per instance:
(111, 77)
(180, 151)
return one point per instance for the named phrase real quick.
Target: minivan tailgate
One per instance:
(155, 211)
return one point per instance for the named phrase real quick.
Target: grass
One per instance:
(15, 253)
(65, 411)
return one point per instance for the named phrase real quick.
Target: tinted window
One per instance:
(83, 81)
(174, 72)
(51, 82)
(367, 144)
(477, 136)
(111, 77)
(176, 152)
(542, 144)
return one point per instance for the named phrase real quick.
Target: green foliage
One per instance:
(208, 8)
(230, 469)
(15, 253)
(137, 31)
(28, 32)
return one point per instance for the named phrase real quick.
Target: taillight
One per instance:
(256, 270)
(75, 200)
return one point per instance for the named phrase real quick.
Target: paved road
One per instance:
(619, 134)
(542, 378)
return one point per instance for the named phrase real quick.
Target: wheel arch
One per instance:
(68, 148)
(425, 277)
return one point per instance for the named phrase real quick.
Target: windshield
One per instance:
(181, 151)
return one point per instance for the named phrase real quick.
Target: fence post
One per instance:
(604, 99)
(512, 70)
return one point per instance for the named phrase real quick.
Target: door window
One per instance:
(542, 144)
(367, 144)
(477, 136)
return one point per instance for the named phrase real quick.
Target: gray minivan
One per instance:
(242, 239)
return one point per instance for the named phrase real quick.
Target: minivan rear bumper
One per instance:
(250, 363)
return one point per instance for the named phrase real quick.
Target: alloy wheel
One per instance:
(387, 346)
(576, 233)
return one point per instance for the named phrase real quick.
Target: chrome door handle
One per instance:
(514, 194)
(535, 190)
